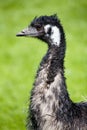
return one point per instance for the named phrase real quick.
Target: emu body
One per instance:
(50, 105)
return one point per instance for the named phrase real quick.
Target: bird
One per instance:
(51, 107)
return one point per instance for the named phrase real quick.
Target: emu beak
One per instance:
(30, 31)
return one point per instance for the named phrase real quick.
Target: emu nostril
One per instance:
(22, 31)
(20, 34)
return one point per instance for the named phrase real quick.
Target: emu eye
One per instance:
(38, 27)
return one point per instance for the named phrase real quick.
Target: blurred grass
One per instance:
(20, 57)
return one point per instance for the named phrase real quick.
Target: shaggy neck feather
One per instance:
(50, 81)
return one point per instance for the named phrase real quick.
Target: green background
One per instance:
(20, 57)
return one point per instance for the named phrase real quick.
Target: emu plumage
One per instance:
(50, 105)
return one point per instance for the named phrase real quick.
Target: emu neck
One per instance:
(52, 64)
(50, 76)
(49, 96)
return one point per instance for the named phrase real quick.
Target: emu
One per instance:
(50, 105)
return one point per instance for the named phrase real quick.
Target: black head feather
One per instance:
(44, 20)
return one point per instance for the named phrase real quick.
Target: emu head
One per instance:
(46, 28)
